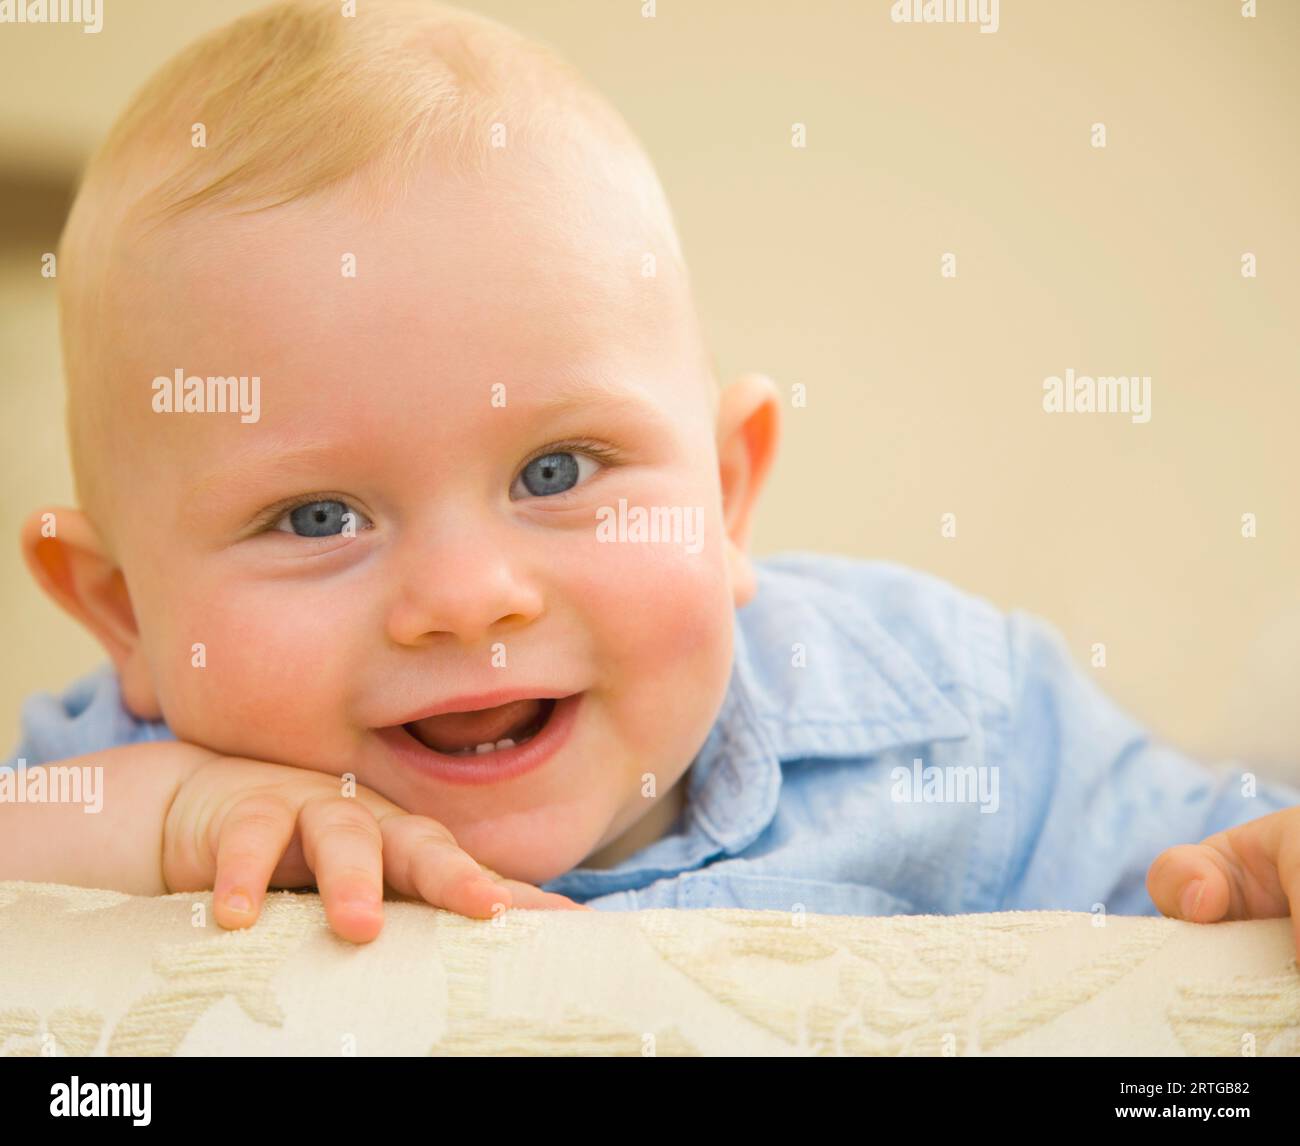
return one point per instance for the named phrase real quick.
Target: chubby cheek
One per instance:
(660, 621)
(246, 673)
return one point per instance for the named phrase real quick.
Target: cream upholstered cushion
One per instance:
(99, 972)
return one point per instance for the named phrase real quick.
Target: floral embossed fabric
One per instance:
(102, 973)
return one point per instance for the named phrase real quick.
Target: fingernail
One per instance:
(1192, 898)
(239, 901)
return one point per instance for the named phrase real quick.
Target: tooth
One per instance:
(482, 748)
(506, 743)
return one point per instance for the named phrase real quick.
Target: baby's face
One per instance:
(498, 370)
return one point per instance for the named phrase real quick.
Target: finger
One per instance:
(1251, 871)
(530, 896)
(526, 895)
(422, 858)
(251, 839)
(1193, 882)
(1268, 855)
(343, 846)
(1269, 848)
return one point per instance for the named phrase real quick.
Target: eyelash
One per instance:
(266, 520)
(603, 453)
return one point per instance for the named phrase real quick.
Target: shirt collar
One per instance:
(814, 676)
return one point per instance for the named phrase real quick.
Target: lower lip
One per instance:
(491, 767)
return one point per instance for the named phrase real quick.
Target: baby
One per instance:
(415, 527)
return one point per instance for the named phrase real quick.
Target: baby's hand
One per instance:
(238, 826)
(1247, 872)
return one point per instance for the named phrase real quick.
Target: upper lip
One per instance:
(481, 700)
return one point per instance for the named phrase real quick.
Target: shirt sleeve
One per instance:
(1097, 799)
(87, 717)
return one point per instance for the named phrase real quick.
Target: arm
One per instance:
(1096, 799)
(177, 817)
(120, 845)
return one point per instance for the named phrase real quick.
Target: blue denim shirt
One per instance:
(888, 744)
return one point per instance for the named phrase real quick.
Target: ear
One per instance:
(749, 422)
(79, 574)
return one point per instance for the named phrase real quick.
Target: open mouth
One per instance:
(485, 730)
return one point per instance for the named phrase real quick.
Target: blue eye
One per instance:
(320, 519)
(555, 473)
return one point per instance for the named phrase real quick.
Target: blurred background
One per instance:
(821, 266)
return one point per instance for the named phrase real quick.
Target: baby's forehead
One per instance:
(569, 190)
(458, 297)
(526, 252)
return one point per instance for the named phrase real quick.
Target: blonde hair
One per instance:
(296, 99)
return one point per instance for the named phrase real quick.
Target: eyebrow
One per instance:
(573, 391)
(566, 393)
(258, 464)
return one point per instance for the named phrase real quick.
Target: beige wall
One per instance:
(820, 266)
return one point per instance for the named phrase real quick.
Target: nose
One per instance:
(467, 586)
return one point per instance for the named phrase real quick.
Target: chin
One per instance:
(534, 855)
(529, 867)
